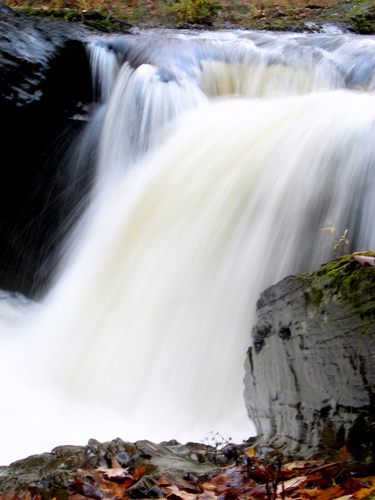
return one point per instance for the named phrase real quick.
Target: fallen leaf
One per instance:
(115, 473)
(250, 452)
(323, 467)
(138, 473)
(76, 496)
(303, 464)
(344, 455)
(362, 259)
(9, 495)
(207, 495)
(292, 484)
(182, 495)
(367, 490)
(208, 486)
(325, 494)
(237, 492)
(170, 479)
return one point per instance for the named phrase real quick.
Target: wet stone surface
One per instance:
(45, 83)
(310, 372)
(52, 472)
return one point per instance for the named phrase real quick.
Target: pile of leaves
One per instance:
(246, 477)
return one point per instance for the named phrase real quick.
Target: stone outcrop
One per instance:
(45, 93)
(52, 473)
(310, 373)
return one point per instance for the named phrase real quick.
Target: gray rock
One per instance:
(310, 372)
(53, 473)
(27, 46)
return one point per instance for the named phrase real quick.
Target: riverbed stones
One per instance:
(52, 472)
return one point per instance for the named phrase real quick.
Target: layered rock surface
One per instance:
(310, 373)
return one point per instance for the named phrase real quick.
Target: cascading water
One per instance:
(221, 157)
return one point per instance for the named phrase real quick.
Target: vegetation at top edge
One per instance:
(346, 276)
(282, 15)
(197, 11)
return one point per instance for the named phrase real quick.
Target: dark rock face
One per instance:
(44, 85)
(310, 374)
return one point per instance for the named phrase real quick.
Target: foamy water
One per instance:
(243, 151)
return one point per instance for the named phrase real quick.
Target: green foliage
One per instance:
(288, 15)
(197, 11)
(363, 20)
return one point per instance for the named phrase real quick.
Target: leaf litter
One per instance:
(248, 477)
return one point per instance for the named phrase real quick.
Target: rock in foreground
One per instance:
(310, 373)
(118, 470)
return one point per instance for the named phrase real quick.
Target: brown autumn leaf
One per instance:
(207, 486)
(367, 487)
(243, 493)
(292, 484)
(168, 490)
(302, 464)
(207, 495)
(327, 493)
(170, 479)
(352, 484)
(113, 490)
(344, 454)
(182, 495)
(76, 496)
(15, 495)
(9, 495)
(115, 473)
(345, 497)
(250, 452)
(103, 482)
(138, 473)
(230, 476)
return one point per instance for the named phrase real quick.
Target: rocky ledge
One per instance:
(119, 470)
(45, 97)
(74, 470)
(310, 372)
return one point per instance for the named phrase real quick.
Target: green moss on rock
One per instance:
(346, 278)
(101, 21)
(317, 296)
(362, 17)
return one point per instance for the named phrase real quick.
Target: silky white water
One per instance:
(220, 161)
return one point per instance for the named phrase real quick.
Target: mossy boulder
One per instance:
(310, 373)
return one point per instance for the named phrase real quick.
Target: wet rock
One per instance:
(44, 85)
(51, 473)
(310, 373)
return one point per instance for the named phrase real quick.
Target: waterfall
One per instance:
(221, 158)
